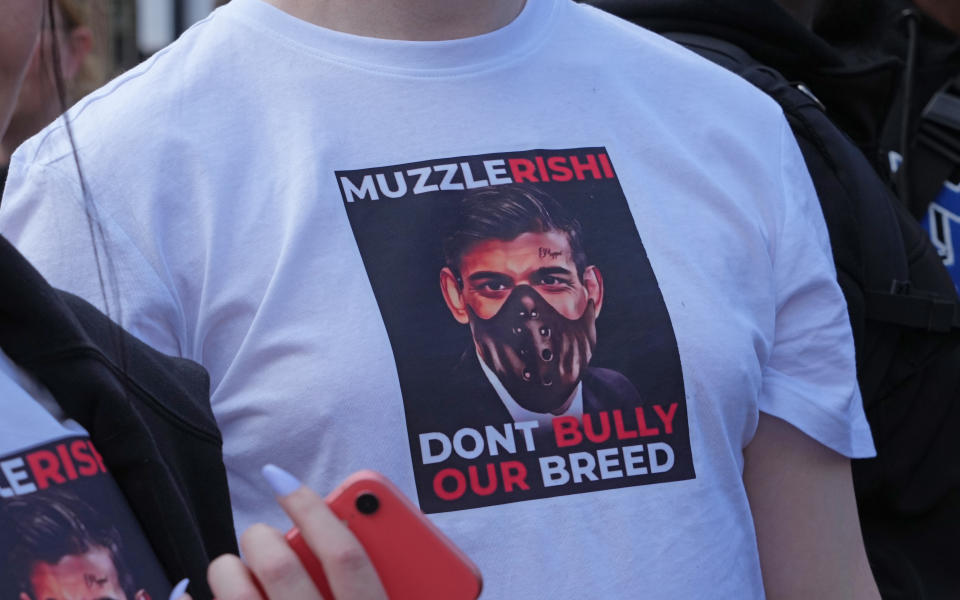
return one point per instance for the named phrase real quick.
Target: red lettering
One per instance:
(605, 164)
(567, 431)
(81, 454)
(622, 432)
(642, 428)
(593, 436)
(522, 170)
(96, 455)
(513, 473)
(579, 169)
(542, 168)
(559, 169)
(45, 468)
(459, 480)
(491, 486)
(667, 418)
(66, 462)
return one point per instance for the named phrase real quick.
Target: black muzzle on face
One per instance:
(538, 354)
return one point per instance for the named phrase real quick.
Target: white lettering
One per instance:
(527, 428)
(421, 186)
(468, 177)
(660, 467)
(429, 457)
(15, 478)
(582, 464)
(448, 172)
(505, 440)
(496, 170)
(553, 469)
(609, 461)
(367, 188)
(385, 189)
(477, 443)
(633, 460)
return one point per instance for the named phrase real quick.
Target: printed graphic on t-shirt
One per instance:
(66, 530)
(535, 353)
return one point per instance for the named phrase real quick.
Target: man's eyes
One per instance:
(492, 286)
(553, 280)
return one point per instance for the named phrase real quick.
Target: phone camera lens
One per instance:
(367, 503)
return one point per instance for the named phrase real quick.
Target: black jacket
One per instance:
(882, 33)
(909, 496)
(858, 94)
(148, 414)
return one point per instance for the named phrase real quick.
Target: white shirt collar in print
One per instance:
(519, 413)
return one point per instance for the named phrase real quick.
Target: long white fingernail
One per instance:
(283, 483)
(179, 589)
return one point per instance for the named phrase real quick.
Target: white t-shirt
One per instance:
(271, 194)
(51, 474)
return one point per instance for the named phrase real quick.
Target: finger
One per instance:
(230, 579)
(179, 591)
(348, 568)
(275, 565)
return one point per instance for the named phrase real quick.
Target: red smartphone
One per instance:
(413, 558)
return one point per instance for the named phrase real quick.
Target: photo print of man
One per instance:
(517, 274)
(58, 547)
(534, 350)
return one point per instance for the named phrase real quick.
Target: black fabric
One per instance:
(897, 290)
(148, 414)
(934, 152)
(772, 37)
(881, 33)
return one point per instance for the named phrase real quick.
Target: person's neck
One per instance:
(947, 12)
(415, 20)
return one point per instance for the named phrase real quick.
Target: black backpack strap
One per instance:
(713, 49)
(147, 413)
(909, 308)
(901, 305)
(936, 150)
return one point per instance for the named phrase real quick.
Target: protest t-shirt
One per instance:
(66, 530)
(385, 252)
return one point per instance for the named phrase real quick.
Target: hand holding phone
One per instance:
(270, 570)
(412, 558)
(372, 544)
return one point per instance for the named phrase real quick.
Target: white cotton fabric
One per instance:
(212, 171)
(31, 416)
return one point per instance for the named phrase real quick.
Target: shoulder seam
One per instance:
(111, 224)
(105, 91)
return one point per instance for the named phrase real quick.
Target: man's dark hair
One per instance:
(47, 526)
(504, 212)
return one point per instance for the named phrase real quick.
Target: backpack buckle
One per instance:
(940, 316)
(900, 288)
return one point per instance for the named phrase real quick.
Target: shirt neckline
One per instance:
(447, 56)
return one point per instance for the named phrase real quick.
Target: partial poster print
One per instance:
(535, 353)
(67, 532)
